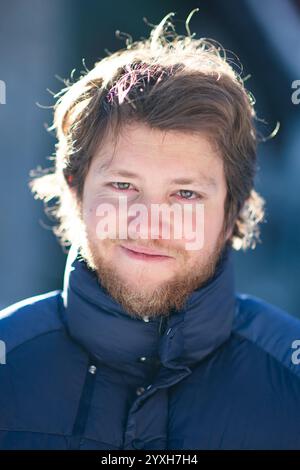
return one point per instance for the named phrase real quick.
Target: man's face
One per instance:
(153, 167)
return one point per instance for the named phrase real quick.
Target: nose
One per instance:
(146, 219)
(145, 222)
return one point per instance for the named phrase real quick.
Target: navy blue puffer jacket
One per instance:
(82, 374)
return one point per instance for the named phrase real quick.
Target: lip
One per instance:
(145, 254)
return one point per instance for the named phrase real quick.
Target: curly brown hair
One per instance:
(169, 82)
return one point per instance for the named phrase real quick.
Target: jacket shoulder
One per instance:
(29, 318)
(270, 328)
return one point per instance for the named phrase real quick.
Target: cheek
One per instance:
(100, 216)
(204, 227)
(213, 226)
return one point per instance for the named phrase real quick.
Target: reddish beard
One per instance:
(157, 301)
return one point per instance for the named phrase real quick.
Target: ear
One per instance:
(229, 233)
(72, 191)
(73, 197)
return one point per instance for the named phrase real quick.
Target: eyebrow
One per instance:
(206, 180)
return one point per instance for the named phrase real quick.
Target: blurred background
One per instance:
(42, 41)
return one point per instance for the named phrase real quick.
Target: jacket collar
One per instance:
(96, 321)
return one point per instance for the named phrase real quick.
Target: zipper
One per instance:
(84, 405)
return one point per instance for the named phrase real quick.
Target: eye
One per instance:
(121, 186)
(187, 194)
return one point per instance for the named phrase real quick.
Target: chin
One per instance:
(143, 281)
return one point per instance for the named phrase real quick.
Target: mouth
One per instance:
(145, 254)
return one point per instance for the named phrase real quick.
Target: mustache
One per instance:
(152, 245)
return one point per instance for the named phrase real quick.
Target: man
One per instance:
(148, 346)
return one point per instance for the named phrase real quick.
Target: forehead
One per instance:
(140, 147)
